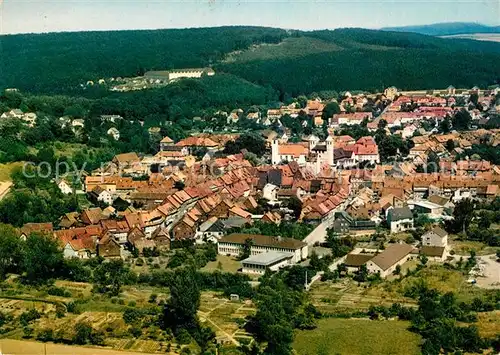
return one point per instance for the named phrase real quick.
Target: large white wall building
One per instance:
(233, 245)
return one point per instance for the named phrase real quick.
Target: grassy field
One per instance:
(357, 336)
(290, 47)
(6, 170)
(488, 324)
(226, 318)
(223, 263)
(463, 247)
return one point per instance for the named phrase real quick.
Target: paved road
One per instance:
(491, 278)
(318, 235)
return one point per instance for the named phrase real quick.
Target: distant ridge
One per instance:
(446, 29)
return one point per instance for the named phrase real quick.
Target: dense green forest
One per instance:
(292, 62)
(58, 62)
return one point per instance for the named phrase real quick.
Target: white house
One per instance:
(113, 132)
(233, 245)
(298, 152)
(270, 192)
(437, 237)
(386, 262)
(100, 194)
(65, 187)
(209, 231)
(400, 219)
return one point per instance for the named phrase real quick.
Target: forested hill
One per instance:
(58, 62)
(292, 62)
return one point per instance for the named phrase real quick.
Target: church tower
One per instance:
(275, 154)
(329, 150)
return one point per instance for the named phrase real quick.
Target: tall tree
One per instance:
(109, 276)
(10, 249)
(181, 310)
(462, 120)
(42, 258)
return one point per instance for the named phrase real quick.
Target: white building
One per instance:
(209, 231)
(270, 192)
(300, 153)
(65, 187)
(437, 237)
(233, 245)
(113, 132)
(400, 219)
(102, 195)
(179, 73)
(273, 260)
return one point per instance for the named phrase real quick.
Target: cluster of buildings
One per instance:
(178, 195)
(29, 118)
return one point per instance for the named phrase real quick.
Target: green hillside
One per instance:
(292, 62)
(58, 62)
(369, 60)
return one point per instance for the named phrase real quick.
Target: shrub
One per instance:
(45, 335)
(152, 298)
(72, 307)
(136, 332)
(132, 304)
(58, 291)
(29, 316)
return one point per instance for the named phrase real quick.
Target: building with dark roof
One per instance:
(433, 253)
(354, 261)
(400, 219)
(344, 223)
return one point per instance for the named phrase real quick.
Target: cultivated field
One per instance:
(226, 318)
(347, 296)
(23, 347)
(357, 336)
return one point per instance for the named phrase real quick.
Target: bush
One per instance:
(136, 332)
(29, 316)
(152, 298)
(183, 337)
(60, 311)
(132, 304)
(72, 307)
(132, 315)
(58, 291)
(45, 335)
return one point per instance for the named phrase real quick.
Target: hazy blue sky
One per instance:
(20, 16)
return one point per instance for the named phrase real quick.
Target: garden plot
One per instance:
(226, 318)
(16, 307)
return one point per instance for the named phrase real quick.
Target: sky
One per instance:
(35, 16)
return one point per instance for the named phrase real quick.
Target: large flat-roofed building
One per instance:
(273, 260)
(167, 75)
(233, 245)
